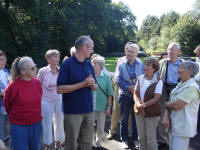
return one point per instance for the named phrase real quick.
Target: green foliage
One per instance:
(156, 33)
(187, 33)
(31, 27)
(111, 63)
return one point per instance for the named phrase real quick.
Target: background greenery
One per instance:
(111, 63)
(31, 27)
(157, 32)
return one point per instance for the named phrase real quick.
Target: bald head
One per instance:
(173, 51)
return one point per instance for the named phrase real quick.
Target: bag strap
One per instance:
(129, 74)
(138, 88)
(102, 89)
(166, 72)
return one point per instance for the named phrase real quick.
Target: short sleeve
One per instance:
(109, 88)
(189, 95)
(136, 85)
(40, 76)
(159, 87)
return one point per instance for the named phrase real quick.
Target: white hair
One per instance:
(134, 46)
(99, 59)
(22, 62)
(175, 45)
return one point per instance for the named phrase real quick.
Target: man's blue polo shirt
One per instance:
(72, 72)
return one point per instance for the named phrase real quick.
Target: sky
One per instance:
(142, 8)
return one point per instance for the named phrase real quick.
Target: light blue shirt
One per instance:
(172, 72)
(128, 72)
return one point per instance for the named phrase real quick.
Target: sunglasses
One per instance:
(32, 68)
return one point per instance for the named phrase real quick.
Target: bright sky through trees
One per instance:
(141, 8)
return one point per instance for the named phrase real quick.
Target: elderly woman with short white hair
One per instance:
(183, 108)
(102, 97)
(51, 101)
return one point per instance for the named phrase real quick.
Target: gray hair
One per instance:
(51, 52)
(83, 40)
(99, 59)
(18, 65)
(134, 46)
(22, 61)
(175, 45)
(190, 66)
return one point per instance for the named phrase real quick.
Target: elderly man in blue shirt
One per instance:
(168, 72)
(129, 70)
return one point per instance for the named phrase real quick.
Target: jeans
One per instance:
(26, 137)
(4, 123)
(126, 106)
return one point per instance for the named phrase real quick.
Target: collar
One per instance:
(76, 60)
(102, 73)
(49, 68)
(135, 62)
(182, 85)
(153, 80)
(178, 62)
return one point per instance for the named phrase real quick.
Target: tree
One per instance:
(31, 27)
(187, 33)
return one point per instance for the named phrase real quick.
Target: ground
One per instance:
(116, 145)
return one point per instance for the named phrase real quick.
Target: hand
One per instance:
(167, 104)
(108, 110)
(165, 121)
(59, 90)
(131, 88)
(89, 81)
(142, 113)
(139, 105)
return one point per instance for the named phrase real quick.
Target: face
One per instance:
(96, 66)
(88, 49)
(2, 62)
(198, 54)
(29, 70)
(183, 73)
(54, 60)
(148, 69)
(173, 52)
(131, 53)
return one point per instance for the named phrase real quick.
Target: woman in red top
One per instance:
(22, 101)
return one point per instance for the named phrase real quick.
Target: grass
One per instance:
(111, 63)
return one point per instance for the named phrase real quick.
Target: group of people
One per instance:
(31, 103)
(154, 100)
(165, 96)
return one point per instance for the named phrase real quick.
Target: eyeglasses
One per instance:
(32, 68)
(148, 64)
